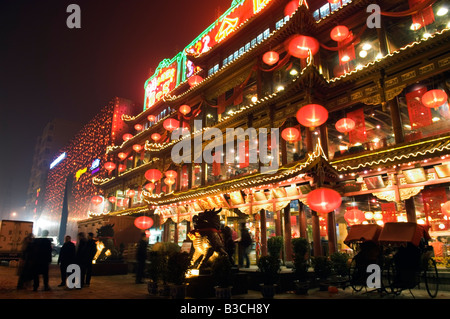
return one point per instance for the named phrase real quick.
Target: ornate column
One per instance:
(331, 229)
(287, 233)
(262, 221)
(316, 234)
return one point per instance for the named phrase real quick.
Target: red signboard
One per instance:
(160, 84)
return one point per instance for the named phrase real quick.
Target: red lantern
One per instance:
(127, 136)
(312, 115)
(110, 166)
(143, 222)
(130, 193)
(138, 127)
(339, 33)
(290, 8)
(151, 118)
(271, 57)
(324, 200)
(434, 98)
(137, 148)
(446, 208)
(112, 199)
(122, 168)
(300, 46)
(345, 125)
(122, 155)
(97, 200)
(194, 80)
(171, 174)
(147, 233)
(169, 181)
(171, 124)
(153, 175)
(290, 134)
(156, 137)
(184, 109)
(149, 187)
(354, 216)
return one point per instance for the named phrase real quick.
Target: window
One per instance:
(247, 46)
(241, 51)
(259, 38)
(253, 43)
(266, 33)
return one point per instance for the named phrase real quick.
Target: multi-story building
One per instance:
(69, 190)
(370, 135)
(54, 136)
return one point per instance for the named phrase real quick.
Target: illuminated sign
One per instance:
(234, 17)
(95, 164)
(59, 159)
(80, 172)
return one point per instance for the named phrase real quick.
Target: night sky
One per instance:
(48, 70)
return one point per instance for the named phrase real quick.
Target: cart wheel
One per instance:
(431, 278)
(357, 281)
(392, 285)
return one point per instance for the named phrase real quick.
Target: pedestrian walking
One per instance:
(41, 259)
(80, 256)
(245, 243)
(66, 257)
(230, 245)
(91, 250)
(141, 257)
(25, 262)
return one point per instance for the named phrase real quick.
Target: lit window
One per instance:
(236, 55)
(259, 38)
(241, 51)
(253, 43)
(316, 15)
(325, 10)
(247, 46)
(216, 68)
(266, 33)
(225, 61)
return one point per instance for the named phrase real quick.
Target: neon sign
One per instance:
(95, 164)
(79, 173)
(58, 160)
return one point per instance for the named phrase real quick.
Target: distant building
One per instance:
(69, 188)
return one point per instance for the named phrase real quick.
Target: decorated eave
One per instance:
(395, 155)
(291, 173)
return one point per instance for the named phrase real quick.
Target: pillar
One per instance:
(331, 229)
(287, 233)
(278, 223)
(309, 141)
(324, 138)
(302, 221)
(175, 236)
(410, 210)
(262, 220)
(316, 234)
(396, 121)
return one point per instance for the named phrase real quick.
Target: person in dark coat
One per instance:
(25, 262)
(141, 257)
(80, 258)
(245, 243)
(91, 250)
(42, 257)
(230, 245)
(66, 257)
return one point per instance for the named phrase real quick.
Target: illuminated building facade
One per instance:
(69, 188)
(257, 66)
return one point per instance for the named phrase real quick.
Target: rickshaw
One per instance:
(363, 239)
(408, 258)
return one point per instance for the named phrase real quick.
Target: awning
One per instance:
(402, 233)
(369, 232)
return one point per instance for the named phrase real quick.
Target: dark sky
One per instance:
(48, 70)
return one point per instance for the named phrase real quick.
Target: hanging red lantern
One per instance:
(143, 222)
(271, 57)
(147, 233)
(354, 216)
(97, 200)
(312, 115)
(112, 199)
(130, 193)
(127, 136)
(153, 175)
(171, 124)
(151, 118)
(122, 155)
(184, 109)
(171, 174)
(324, 200)
(446, 208)
(110, 166)
(300, 46)
(137, 148)
(138, 127)
(194, 80)
(290, 8)
(434, 98)
(122, 168)
(156, 137)
(149, 187)
(290, 134)
(345, 125)
(169, 181)
(339, 33)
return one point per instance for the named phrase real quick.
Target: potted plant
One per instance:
(301, 264)
(340, 266)
(177, 267)
(274, 246)
(165, 250)
(154, 271)
(322, 271)
(221, 271)
(269, 266)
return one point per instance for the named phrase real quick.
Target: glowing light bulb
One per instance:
(363, 53)
(442, 11)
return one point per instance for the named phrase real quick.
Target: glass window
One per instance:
(324, 10)
(241, 51)
(259, 38)
(253, 42)
(247, 46)
(266, 33)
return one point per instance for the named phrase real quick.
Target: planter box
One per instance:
(109, 269)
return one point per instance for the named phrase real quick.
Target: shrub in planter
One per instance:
(322, 270)
(274, 246)
(154, 270)
(269, 266)
(177, 267)
(301, 264)
(339, 262)
(221, 271)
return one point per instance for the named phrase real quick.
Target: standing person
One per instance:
(42, 257)
(91, 250)
(25, 262)
(80, 258)
(66, 257)
(141, 257)
(230, 245)
(245, 243)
